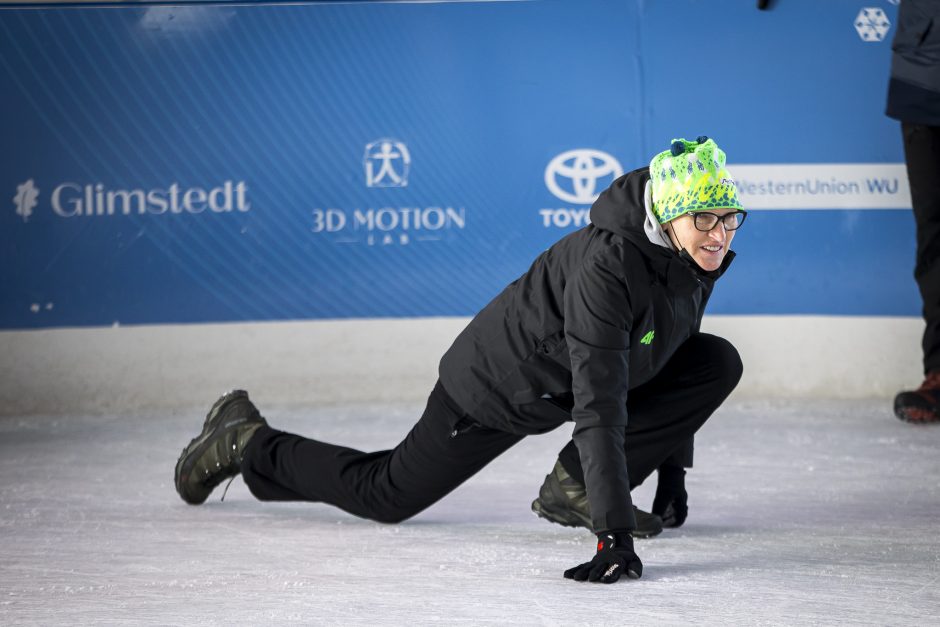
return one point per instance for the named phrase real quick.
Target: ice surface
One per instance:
(800, 513)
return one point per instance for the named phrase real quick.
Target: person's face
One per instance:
(707, 248)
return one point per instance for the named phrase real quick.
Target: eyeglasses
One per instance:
(706, 221)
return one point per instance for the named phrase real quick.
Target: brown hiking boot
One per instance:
(921, 406)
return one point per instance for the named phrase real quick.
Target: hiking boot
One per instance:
(563, 500)
(216, 453)
(921, 405)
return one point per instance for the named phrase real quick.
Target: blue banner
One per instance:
(197, 163)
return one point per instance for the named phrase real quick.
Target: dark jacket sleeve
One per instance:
(598, 320)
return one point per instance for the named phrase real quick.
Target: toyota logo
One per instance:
(581, 169)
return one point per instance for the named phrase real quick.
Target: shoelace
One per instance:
(224, 492)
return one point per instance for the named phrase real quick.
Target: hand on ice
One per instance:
(614, 557)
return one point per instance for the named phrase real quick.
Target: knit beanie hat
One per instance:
(691, 176)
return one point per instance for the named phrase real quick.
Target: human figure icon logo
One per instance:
(387, 162)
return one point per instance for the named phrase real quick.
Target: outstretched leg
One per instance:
(387, 486)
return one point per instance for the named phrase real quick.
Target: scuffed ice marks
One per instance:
(801, 513)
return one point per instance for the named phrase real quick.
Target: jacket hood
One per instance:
(621, 207)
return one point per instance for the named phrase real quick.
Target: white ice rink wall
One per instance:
(310, 199)
(331, 362)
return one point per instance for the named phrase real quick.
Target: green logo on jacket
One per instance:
(648, 338)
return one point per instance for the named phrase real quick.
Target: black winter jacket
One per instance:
(574, 324)
(914, 90)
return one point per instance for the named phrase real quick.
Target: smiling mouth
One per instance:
(712, 249)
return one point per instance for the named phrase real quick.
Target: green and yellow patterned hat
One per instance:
(691, 176)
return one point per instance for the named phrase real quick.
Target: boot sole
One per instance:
(198, 445)
(556, 517)
(917, 407)
(567, 521)
(917, 415)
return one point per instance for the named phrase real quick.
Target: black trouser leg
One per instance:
(387, 486)
(683, 456)
(922, 155)
(664, 413)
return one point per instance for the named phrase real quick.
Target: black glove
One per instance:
(672, 501)
(614, 557)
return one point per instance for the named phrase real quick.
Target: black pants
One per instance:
(390, 486)
(922, 154)
(665, 412)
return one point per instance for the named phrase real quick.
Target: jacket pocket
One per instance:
(464, 425)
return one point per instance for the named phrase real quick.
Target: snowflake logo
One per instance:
(25, 199)
(872, 24)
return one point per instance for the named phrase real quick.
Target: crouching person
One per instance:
(601, 331)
